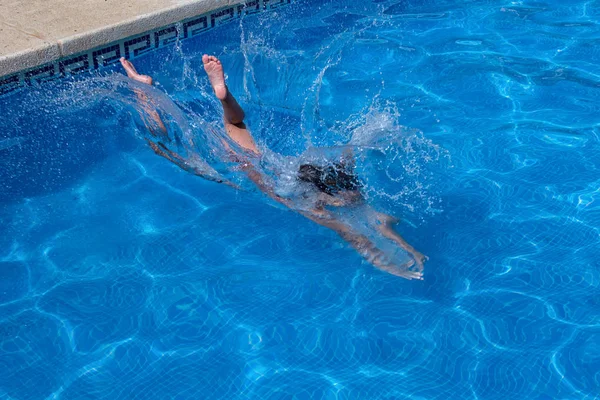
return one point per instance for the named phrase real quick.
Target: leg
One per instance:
(233, 113)
(158, 147)
(133, 74)
(145, 103)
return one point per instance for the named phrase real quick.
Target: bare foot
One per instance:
(133, 74)
(214, 70)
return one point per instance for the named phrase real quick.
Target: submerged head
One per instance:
(330, 179)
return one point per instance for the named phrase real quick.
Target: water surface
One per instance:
(122, 276)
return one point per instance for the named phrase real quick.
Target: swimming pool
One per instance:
(122, 276)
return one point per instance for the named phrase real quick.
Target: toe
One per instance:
(205, 58)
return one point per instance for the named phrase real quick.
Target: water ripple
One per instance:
(124, 277)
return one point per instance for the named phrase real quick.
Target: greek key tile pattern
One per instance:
(135, 46)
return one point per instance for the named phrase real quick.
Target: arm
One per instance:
(176, 159)
(159, 130)
(258, 180)
(364, 246)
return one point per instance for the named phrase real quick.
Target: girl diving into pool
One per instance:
(330, 188)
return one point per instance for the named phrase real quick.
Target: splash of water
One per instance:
(6, 144)
(401, 166)
(398, 166)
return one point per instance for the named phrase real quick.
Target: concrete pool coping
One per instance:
(44, 39)
(35, 32)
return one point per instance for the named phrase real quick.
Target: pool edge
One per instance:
(131, 38)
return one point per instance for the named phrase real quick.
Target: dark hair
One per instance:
(330, 179)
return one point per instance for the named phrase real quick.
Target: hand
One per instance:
(381, 261)
(419, 260)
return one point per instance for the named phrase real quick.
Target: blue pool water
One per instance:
(124, 277)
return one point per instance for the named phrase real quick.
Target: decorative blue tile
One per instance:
(74, 65)
(249, 7)
(133, 47)
(276, 3)
(137, 46)
(166, 36)
(9, 84)
(222, 16)
(40, 74)
(195, 26)
(106, 56)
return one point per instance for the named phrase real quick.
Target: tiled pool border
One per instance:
(133, 46)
